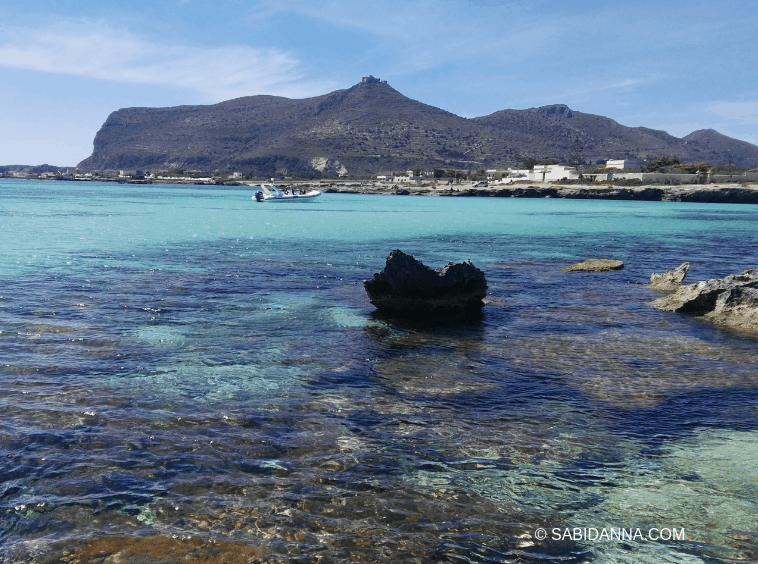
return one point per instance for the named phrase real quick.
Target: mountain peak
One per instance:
(553, 109)
(369, 93)
(701, 134)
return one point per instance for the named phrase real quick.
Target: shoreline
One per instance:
(704, 193)
(723, 193)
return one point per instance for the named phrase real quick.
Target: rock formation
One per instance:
(730, 301)
(408, 288)
(671, 279)
(595, 265)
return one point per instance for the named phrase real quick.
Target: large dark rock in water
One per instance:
(730, 301)
(408, 288)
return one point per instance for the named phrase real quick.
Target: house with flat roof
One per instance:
(408, 178)
(493, 175)
(507, 176)
(548, 173)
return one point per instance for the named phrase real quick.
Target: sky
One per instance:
(65, 65)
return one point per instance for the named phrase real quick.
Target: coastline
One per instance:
(720, 193)
(706, 193)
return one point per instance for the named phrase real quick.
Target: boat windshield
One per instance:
(271, 190)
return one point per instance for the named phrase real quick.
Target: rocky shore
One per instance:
(731, 301)
(707, 193)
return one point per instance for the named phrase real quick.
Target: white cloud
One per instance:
(94, 50)
(742, 112)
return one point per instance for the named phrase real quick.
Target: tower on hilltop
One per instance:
(371, 80)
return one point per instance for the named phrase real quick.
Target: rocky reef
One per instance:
(731, 301)
(407, 288)
(595, 265)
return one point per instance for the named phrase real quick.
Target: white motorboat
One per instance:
(270, 193)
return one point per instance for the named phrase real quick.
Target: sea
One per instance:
(182, 361)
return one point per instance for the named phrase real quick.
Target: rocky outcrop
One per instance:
(329, 166)
(408, 288)
(595, 265)
(671, 279)
(730, 301)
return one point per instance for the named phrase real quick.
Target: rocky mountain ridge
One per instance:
(370, 128)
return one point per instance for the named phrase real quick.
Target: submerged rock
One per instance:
(596, 265)
(671, 279)
(159, 549)
(730, 301)
(408, 288)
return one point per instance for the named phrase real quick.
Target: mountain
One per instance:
(714, 147)
(371, 127)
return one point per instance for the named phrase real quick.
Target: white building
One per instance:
(494, 175)
(619, 164)
(540, 173)
(515, 175)
(408, 179)
(507, 176)
(548, 173)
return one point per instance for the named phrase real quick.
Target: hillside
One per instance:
(371, 127)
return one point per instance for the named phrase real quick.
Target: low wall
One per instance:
(647, 177)
(729, 178)
(667, 178)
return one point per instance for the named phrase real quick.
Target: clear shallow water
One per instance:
(184, 361)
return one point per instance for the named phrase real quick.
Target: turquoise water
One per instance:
(186, 361)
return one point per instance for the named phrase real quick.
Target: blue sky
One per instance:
(676, 66)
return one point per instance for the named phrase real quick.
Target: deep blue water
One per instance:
(185, 361)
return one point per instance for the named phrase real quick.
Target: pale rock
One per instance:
(671, 279)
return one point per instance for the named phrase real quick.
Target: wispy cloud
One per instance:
(595, 85)
(743, 112)
(417, 35)
(92, 49)
(523, 38)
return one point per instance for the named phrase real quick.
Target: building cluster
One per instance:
(552, 173)
(613, 170)
(408, 178)
(540, 173)
(62, 174)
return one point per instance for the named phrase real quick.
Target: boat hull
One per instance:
(303, 198)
